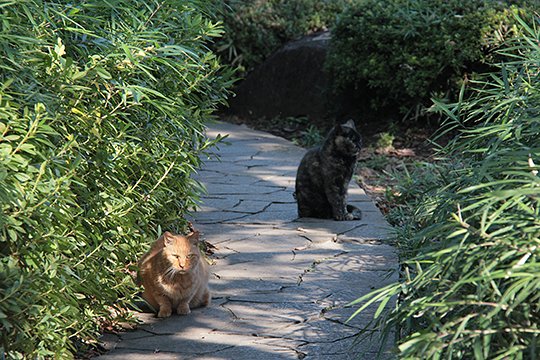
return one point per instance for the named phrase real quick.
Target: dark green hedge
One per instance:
(256, 28)
(102, 108)
(391, 57)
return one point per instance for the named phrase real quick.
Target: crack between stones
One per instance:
(336, 321)
(299, 354)
(231, 221)
(354, 228)
(227, 255)
(249, 212)
(311, 268)
(241, 212)
(237, 204)
(256, 138)
(148, 334)
(269, 185)
(231, 240)
(226, 195)
(315, 263)
(153, 333)
(251, 157)
(268, 336)
(302, 343)
(256, 154)
(213, 352)
(332, 341)
(221, 172)
(221, 221)
(307, 238)
(257, 301)
(213, 197)
(234, 316)
(372, 241)
(158, 351)
(219, 182)
(260, 222)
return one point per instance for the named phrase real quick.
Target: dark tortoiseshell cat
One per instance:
(324, 175)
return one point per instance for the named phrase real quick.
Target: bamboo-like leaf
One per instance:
(92, 172)
(470, 272)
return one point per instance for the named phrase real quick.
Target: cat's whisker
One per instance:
(170, 273)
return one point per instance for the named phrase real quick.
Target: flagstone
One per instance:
(280, 285)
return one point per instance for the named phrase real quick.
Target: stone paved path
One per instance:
(279, 284)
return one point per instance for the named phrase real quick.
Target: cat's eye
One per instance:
(191, 256)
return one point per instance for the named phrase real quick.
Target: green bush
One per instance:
(468, 226)
(391, 57)
(102, 108)
(256, 28)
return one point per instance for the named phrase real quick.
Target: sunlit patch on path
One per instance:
(279, 283)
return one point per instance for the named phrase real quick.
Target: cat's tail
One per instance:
(137, 278)
(354, 211)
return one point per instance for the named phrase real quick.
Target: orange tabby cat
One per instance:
(175, 275)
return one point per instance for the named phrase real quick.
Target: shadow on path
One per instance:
(279, 283)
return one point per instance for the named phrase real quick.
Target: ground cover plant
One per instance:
(468, 225)
(389, 58)
(101, 124)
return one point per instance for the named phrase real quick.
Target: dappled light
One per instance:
(279, 284)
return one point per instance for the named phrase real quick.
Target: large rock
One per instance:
(292, 82)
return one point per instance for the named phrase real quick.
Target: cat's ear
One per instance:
(168, 238)
(348, 125)
(193, 237)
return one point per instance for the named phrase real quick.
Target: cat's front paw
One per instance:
(183, 309)
(355, 215)
(349, 217)
(164, 312)
(341, 217)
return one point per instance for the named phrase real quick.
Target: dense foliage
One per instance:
(256, 28)
(101, 124)
(391, 57)
(469, 228)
